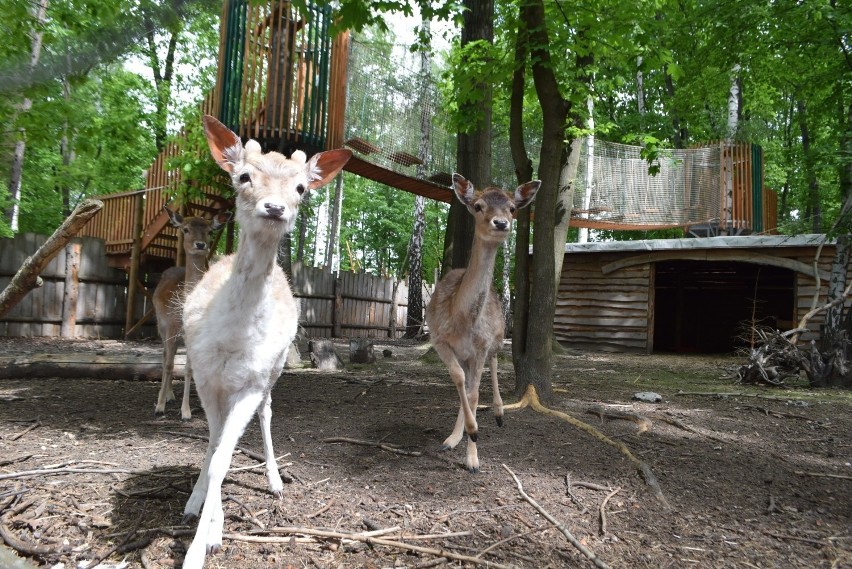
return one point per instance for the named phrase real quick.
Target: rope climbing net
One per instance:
(614, 190)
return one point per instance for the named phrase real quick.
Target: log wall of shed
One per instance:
(616, 311)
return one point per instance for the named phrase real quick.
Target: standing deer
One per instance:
(240, 320)
(174, 284)
(465, 316)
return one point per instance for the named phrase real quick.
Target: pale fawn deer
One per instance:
(241, 318)
(464, 315)
(174, 283)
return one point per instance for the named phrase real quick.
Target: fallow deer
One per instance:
(174, 284)
(464, 315)
(241, 318)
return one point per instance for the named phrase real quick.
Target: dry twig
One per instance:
(561, 527)
(603, 509)
(823, 474)
(380, 445)
(362, 537)
(642, 422)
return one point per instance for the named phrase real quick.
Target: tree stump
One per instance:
(361, 351)
(323, 357)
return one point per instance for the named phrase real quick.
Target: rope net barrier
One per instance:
(621, 194)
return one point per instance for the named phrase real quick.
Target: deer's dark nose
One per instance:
(274, 210)
(501, 224)
(200, 245)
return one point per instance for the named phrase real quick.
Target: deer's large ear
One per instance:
(525, 193)
(225, 146)
(221, 219)
(464, 190)
(324, 166)
(174, 217)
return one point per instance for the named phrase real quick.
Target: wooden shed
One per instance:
(687, 295)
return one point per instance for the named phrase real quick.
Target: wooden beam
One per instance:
(714, 255)
(382, 175)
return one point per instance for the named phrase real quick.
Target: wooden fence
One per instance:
(353, 304)
(99, 306)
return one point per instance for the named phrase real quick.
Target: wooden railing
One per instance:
(281, 78)
(120, 220)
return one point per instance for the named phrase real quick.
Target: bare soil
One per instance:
(756, 478)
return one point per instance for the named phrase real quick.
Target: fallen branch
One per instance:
(822, 474)
(531, 399)
(603, 509)
(380, 445)
(568, 535)
(50, 471)
(27, 278)
(494, 546)
(35, 425)
(735, 394)
(325, 508)
(19, 545)
(328, 534)
(680, 425)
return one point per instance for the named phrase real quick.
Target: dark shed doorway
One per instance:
(706, 306)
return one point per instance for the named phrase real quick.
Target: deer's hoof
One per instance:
(186, 419)
(499, 420)
(187, 519)
(279, 495)
(445, 448)
(159, 413)
(213, 549)
(473, 437)
(473, 470)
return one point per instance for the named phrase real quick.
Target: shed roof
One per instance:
(693, 243)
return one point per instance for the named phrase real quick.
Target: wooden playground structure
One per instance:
(282, 80)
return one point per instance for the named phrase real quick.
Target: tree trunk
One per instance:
(533, 359)
(21, 144)
(332, 255)
(414, 315)
(474, 146)
(814, 207)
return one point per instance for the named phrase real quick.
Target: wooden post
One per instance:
(393, 308)
(72, 289)
(337, 309)
(135, 254)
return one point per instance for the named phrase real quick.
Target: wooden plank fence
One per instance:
(353, 304)
(100, 298)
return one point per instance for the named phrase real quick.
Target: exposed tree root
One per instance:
(644, 423)
(530, 399)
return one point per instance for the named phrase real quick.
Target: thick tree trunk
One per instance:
(473, 151)
(533, 359)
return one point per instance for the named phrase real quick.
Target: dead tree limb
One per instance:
(380, 445)
(27, 277)
(560, 526)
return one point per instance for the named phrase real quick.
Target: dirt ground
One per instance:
(755, 478)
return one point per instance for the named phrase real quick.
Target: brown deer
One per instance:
(464, 316)
(241, 318)
(174, 284)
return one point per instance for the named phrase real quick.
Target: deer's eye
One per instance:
(511, 210)
(245, 178)
(301, 189)
(477, 207)
(186, 230)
